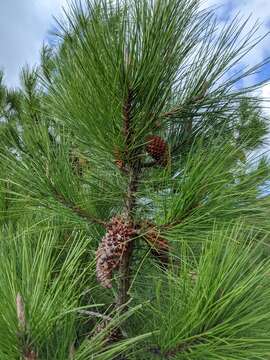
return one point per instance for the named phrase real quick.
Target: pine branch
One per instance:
(134, 169)
(188, 212)
(95, 314)
(28, 354)
(181, 348)
(194, 100)
(127, 122)
(77, 210)
(175, 112)
(124, 282)
(149, 164)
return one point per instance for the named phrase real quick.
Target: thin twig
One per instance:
(178, 349)
(172, 113)
(20, 312)
(197, 99)
(95, 314)
(77, 210)
(72, 351)
(149, 164)
(179, 221)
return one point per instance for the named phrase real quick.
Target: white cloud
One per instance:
(259, 9)
(24, 25)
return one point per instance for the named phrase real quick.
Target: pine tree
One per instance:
(134, 225)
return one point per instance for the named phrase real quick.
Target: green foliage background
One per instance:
(60, 185)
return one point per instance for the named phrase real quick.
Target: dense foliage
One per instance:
(133, 220)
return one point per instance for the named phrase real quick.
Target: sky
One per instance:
(26, 24)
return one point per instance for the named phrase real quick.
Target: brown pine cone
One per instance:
(112, 248)
(157, 148)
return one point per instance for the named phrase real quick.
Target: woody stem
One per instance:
(134, 169)
(125, 269)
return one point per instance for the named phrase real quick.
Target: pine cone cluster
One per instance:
(112, 248)
(157, 148)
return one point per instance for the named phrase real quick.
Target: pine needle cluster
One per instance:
(134, 224)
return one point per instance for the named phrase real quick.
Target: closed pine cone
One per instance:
(112, 248)
(157, 148)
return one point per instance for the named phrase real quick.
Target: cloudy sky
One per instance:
(25, 25)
